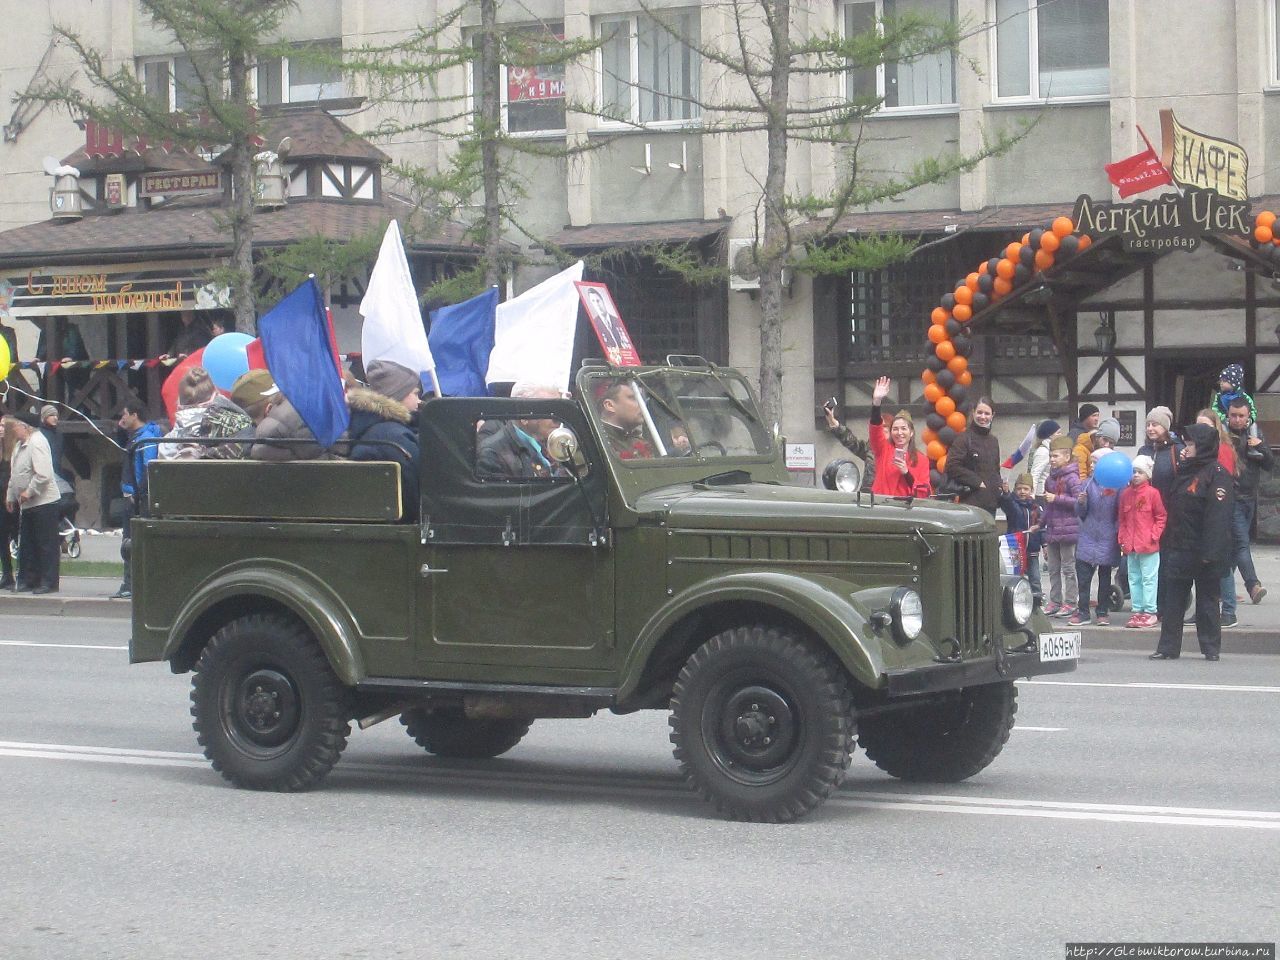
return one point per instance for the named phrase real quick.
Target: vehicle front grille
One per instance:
(976, 586)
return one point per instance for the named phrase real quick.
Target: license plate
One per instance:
(1059, 646)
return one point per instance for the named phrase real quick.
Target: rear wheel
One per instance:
(943, 741)
(268, 709)
(762, 724)
(450, 734)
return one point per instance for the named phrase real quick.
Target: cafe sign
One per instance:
(1168, 222)
(43, 292)
(186, 183)
(1197, 160)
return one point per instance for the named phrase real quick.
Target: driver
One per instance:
(623, 422)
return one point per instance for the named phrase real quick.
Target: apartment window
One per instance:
(925, 81)
(532, 96)
(1052, 48)
(1274, 7)
(298, 79)
(649, 68)
(175, 82)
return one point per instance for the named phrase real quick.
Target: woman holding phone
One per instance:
(901, 469)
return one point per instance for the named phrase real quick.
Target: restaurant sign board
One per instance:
(184, 182)
(1169, 222)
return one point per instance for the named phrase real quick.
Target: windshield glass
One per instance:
(673, 414)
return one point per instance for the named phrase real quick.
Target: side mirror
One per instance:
(562, 445)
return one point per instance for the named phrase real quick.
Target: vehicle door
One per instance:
(518, 569)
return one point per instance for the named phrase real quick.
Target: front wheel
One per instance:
(762, 723)
(268, 709)
(945, 740)
(73, 546)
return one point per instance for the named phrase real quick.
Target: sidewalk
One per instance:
(1258, 630)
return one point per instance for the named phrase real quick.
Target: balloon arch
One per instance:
(946, 375)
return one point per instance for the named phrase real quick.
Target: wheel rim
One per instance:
(262, 712)
(752, 730)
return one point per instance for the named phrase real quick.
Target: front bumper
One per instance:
(1006, 665)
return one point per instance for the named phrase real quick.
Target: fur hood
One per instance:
(364, 400)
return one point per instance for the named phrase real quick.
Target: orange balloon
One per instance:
(1012, 251)
(965, 378)
(957, 365)
(971, 281)
(940, 315)
(1265, 219)
(938, 333)
(982, 268)
(945, 406)
(1005, 268)
(1085, 242)
(963, 295)
(928, 436)
(929, 376)
(1044, 260)
(1050, 242)
(956, 421)
(1026, 238)
(1263, 234)
(1063, 227)
(936, 450)
(1001, 287)
(942, 463)
(933, 393)
(963, 313)
(945, 350)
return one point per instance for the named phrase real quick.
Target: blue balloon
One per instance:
(1113, 470)
(226, 359)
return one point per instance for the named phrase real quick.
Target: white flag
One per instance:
(393, 327)
(533, 335)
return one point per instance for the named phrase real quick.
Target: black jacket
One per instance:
(974, 458)
(1252, 460)
(377, 422)
(505, 455)
(1165, 457)
(1198, 533)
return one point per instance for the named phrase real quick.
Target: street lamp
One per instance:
(1105, 334)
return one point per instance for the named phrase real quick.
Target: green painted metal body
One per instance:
(660, 554)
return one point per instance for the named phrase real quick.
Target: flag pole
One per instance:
(435, 382)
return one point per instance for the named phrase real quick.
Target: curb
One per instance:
(66, 607)
(1235, 640)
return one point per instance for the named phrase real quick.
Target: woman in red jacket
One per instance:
(901, 469)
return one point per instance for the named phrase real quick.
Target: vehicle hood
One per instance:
(765, 506)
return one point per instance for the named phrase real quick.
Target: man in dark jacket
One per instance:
(973, 461)
(1196, 546)
(1254, 456)
(133, 481)
(1088, 420)
(516, 451)
(384, 425)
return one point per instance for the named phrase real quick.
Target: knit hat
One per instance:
(1233, 373)
(1060, 443)
(1087, 410)
(391, 379)
(1161, 416)
(47, 411)
(1047, 429)
(1024, 480)
(253, 387)
(1143, 464)
(1110, 428)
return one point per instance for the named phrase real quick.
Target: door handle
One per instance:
(425, 570)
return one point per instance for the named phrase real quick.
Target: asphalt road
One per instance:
(1135, 801)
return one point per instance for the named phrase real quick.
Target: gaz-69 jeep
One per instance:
(671, 566)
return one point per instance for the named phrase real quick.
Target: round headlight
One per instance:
(842, 475)
(908, 613)
(1018, 602)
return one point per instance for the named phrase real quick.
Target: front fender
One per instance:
(292, 587)
(825, 605)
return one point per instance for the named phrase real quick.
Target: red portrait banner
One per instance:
(606, 321)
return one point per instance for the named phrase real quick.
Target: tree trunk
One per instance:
(774, 243)
(242, 198)
(488, 127)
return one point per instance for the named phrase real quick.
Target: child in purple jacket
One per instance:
(1097, 548)
(1061, 528)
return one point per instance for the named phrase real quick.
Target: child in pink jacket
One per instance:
(1142, 521)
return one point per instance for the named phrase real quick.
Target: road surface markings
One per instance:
(631, 784)
(68, 646)
(1213, 687)
(1026, 729)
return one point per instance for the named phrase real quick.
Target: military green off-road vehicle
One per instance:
(669, 566)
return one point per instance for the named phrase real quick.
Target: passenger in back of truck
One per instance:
(281, 422)
(202, 412)
(384, 425)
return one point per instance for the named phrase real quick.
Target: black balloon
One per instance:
(991, 266)
(934, 420)
(945, 379)
(1034, 238)
(948, 301)
(980, 301)
(958, 393)
(936, 478)
(953, 326)
(984, 283)
(1020, 274)
(1069, 246)
(1027, 254)
(932, 361)
(963, 345)
(947, 436)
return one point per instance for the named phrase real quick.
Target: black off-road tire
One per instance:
(762, 723)
(449, 734)
(268, 709)
(944, 741)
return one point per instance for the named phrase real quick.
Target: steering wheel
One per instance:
(715, 445)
